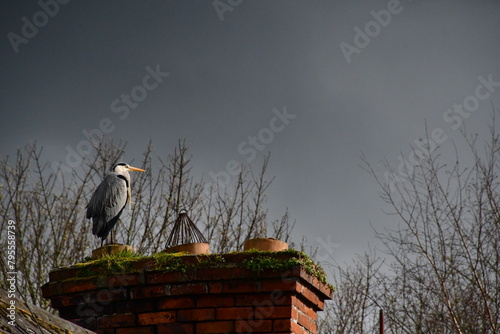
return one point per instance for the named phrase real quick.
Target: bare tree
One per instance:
(445, 254)
(355, 306)
(48, 207)
(441, 268)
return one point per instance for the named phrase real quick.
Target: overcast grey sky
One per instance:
(316, 83)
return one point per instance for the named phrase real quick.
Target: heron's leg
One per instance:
(112, 237)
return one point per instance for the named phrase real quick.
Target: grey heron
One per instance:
(109, 200)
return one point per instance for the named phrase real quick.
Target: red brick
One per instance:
(276, 297)
(281, 298)
(107, 296)
(275, 312)
(215, 327)
(253, 326)
(74, 312)
(321, 289)
(63, 274)
(214, 287)
(308, 277)
(78, 285)
(291, 274)
(211, 274)
(304, 321)
(86, 310)
(240, 286)
(326, 290)
(135, 330)
(117, 320)
(145, 264)
(51, 289)
(172, 302)
(313, 328)
(68, 300)
(295, 313)
(287, 326)
(231, 313)
(273, 274)
(311, 313)
(149, 291)
(175, 329)
(314, 282)
(279, 285)
(100, 298)
(297, 329)
(105, 331)
(189, 289)
(299, 304)
(282, 325)
(216, 301)
(200, 314)
(89, 323)
(138, 306)
(306, 309)
(310, 296)
(239, 273)
(165, 317)
(164, 277)
(120, 281)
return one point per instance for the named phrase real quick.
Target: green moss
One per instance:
(267, 260)
(118, 263)
(212, 261)
(169, 261)
(314, 269)
(289, 251)
(123, 262)
(258, 264)
(174, 262)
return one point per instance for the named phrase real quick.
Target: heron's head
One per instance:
(124, 167)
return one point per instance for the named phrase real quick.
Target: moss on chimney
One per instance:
(127, 262)
(133, 293)
(265, 261)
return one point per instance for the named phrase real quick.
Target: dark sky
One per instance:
(342, 82)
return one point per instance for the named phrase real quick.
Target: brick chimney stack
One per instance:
(248, 292)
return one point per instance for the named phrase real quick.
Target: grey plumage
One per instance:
(109, 200)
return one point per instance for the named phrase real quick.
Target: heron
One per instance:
(109, 200)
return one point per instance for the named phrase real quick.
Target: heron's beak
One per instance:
(135, 169)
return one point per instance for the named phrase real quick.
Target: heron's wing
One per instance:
(107, 203)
